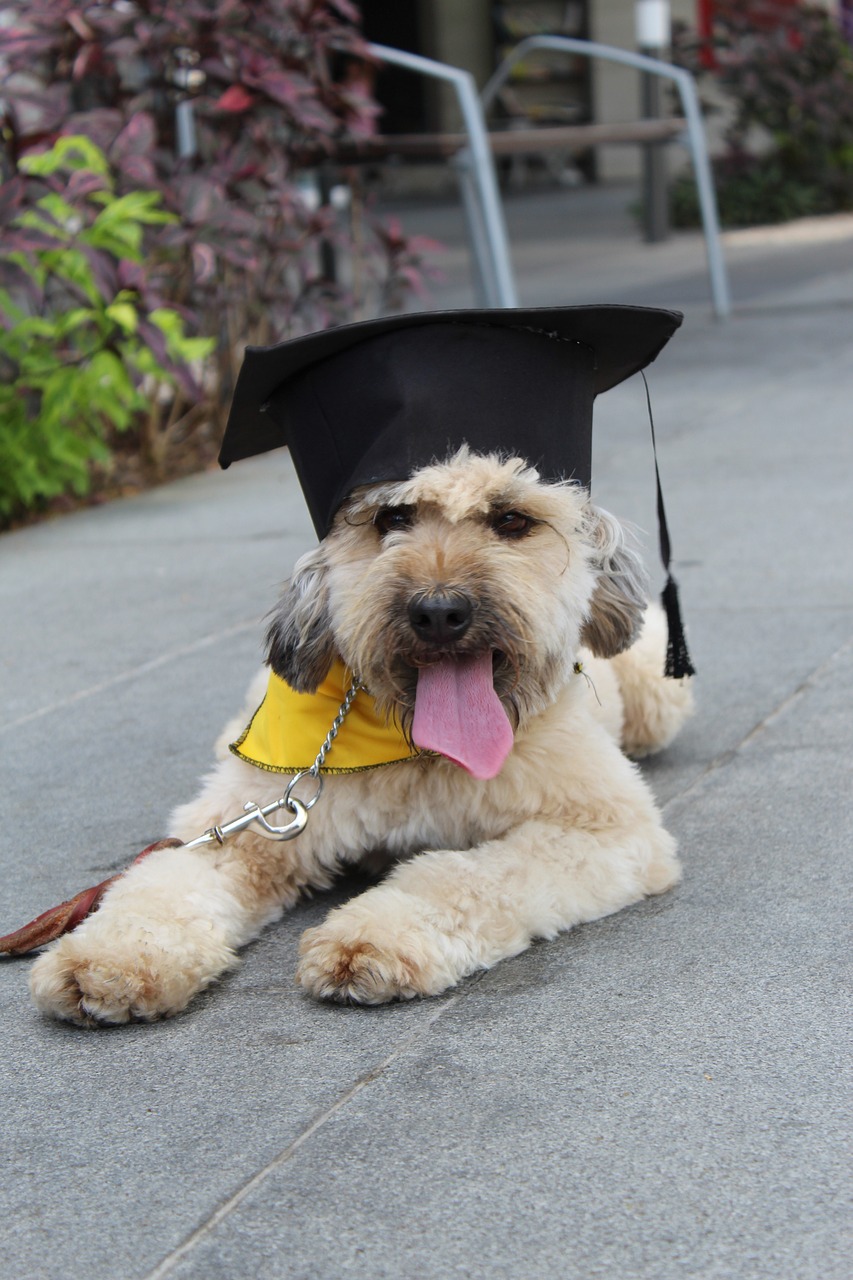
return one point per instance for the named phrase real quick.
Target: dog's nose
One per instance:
(440, 619)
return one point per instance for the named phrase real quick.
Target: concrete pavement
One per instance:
(661, 1094)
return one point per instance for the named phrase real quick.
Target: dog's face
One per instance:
(468, 557)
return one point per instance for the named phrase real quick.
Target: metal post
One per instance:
(652, 22)
(328, 258)
(655, 195)
(188, 78)
(486, 288)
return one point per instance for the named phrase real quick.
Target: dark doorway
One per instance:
(401, 94)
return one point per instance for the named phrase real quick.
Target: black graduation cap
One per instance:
(371, 402)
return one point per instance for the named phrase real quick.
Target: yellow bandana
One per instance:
(288, 729)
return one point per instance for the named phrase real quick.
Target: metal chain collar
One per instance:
(299, 808)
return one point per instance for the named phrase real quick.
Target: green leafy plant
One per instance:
(789, 77)
(751, 191)
(269, 88)
(83, 354)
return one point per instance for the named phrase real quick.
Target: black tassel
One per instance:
(678, 662)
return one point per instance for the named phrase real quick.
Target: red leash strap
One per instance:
(62, 919)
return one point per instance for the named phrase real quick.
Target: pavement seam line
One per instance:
(124, 677)
(206, 1228)
(731, 753)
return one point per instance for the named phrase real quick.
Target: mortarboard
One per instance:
(371, 402)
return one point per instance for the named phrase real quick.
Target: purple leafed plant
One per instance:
(787, 76)
(272, 85)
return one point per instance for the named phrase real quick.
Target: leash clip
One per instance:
(252, 812)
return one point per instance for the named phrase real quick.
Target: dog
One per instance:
(473, 560)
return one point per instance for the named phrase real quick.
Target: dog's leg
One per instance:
(444, 915)
(172, 923)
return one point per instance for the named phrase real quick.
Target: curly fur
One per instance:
(621, 588)
(567, 832)
(300, 644)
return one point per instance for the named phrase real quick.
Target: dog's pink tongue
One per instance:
(459, 715)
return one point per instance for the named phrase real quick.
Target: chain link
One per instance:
(314, 771)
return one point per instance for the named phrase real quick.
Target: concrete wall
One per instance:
(458, 32)
(462, 34)
(616, 90)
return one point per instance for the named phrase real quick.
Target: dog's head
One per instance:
(469, 559)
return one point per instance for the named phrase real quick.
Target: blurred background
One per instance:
(178, 181)
(656, 1095)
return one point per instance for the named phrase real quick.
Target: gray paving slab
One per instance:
(662, 1099)
(585, 246)
(661, 1094)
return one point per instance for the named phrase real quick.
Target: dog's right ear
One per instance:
(300, 645)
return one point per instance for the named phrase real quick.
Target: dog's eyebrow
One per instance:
(510, 499)
(504, 501)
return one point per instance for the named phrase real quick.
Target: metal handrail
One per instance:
(482, 166)
(686, 86)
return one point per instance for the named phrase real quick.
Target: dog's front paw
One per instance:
(356, 970)
(363, 956)
(127, 975)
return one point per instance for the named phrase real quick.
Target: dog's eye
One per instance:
(390, 518)
(512, 524)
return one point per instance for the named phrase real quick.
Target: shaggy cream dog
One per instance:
(566, 832)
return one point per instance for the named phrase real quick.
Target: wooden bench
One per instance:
(507, 142)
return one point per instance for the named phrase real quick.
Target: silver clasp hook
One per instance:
(254, 813)
(297, 808)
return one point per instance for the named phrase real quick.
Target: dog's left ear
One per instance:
(620, 597)
(300, 645)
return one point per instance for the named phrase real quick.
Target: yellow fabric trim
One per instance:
(291, 727)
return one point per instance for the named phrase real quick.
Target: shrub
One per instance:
(270, 94)
(83, 353)
(751, 191)
(789, 77)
